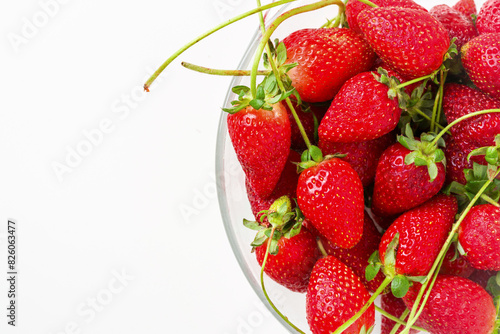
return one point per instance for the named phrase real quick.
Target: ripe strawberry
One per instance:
(488, 19)
(362, 156)
(357, 257)
(399, 187)
(261, 140)
(479, 236)
(410, 41)
(479, 131)
(330, 196)
(286, 186)
(396, 307)
(481, 60)
(354, 7)
(455, 264)
(422, 233)
(334, 295)
(360, 111)
(293, 264)
(457, 24)
(466, 7)
(327, 58)
(456, 305)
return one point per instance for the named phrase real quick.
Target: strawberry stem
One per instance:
(458, 120)
(398, 323)
(439, 260)
(369, 3)
(208, 33)
(274, 26)
(264, 287)
(212, 71)
(396, 319)
(407, 83)
(321, 247)
(365, 307)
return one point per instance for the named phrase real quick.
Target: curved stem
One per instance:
(369, 3)
(407, 83)
(365, 307)
(458, 120)
(208, 33)
(321, 247)
(212, 71)
(264, 287)
(274, 26)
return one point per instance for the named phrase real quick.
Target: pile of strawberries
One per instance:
(363, 189)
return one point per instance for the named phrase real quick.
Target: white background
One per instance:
(118, 210)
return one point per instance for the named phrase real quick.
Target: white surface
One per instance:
(127, 239)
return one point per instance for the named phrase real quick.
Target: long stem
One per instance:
(437, 263)
(264, 287)
(398, 323)
(440, 101)
(213, 71)
(208, 33)
(365, 307)
(274, 26)
(396, 319)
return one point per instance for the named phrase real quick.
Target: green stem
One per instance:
(264, 287)
(208, 33)
(458, 120)
(440, 101)
(212, 71)
(321, 248)
(274, 26)
(439, 260)
(369, 3)
(396, 319)
(398, 323)
(439, 97)
(365, 307)
(407, 83)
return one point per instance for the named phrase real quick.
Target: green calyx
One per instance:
(268, 91)
(285, 221)
(313, 157)
(424, 151)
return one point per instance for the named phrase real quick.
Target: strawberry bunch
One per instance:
(371, 154)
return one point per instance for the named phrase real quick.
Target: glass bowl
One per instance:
(233, 201)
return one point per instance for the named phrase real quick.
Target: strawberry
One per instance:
(478, 235)
(286, 186)
(422, 233)
(261, 140)
(334, 295)
(457, 163)
(466, 7)
(456, 264)
(330, 196)
(479, 131)
(396, 307)
(456, 305)
(481, 60)
(457, 24)
(357, 257)
(400, 186)
(327, 57)
(371, 114)
(482, 277)
(362, 156)
(488, 19)
(293, 264)
(410, 41)
(354, 7)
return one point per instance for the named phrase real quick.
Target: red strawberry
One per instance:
(479, 131)
(410, 41)
(286, 186)
(482, 277)
(488, 19)
(466, 7)
(479, 236)
(481, 60)
(357, 257)
(400, 187)
(360, 111)
(422, 233)
(456, 161)
(330, 196)
(457, 24)
(293, 264)
(334, 295)
(354, 7)
(456, 305)
(362, 156)
(458, 266)
(396, 307)
(327, 58)
(261, 140)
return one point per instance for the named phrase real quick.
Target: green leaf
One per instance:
(294, 230)
(260, 238)
(439, 155)
(400, 286)
(411, 157)
(257, 104)
(274, 248)
(390, 253)
(316, 154)
(371, 271)
(253, 225)
(433, 171)
(281, 54)
(419, 160)
(306, 156)
(461, 249)
(419, 279)
(238, 90)
(478, 151)
(493, 286)
(491, 155)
